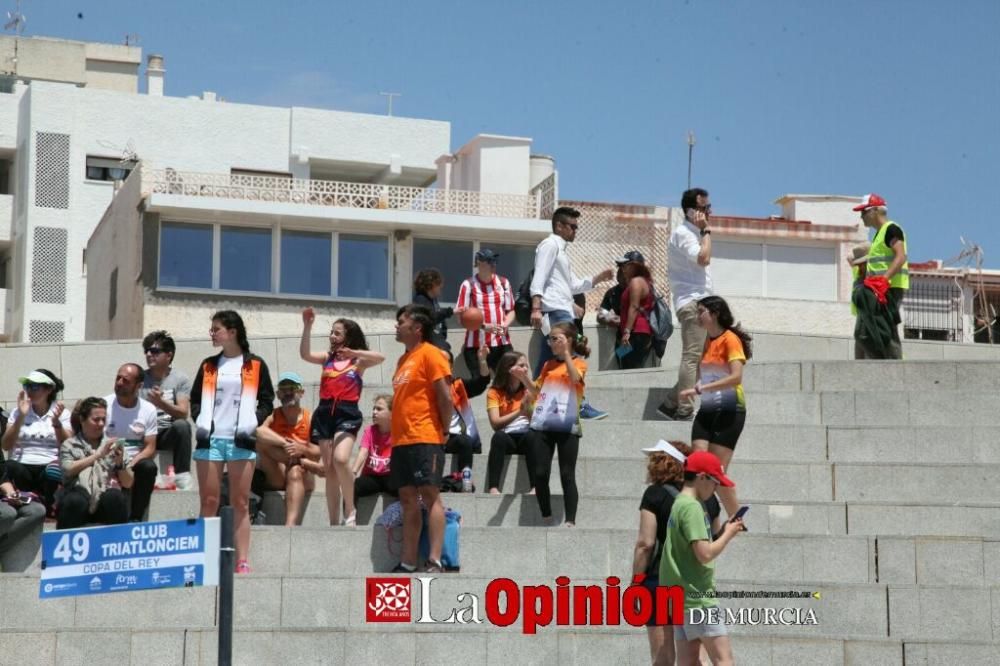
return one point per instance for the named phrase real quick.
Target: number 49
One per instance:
(76, 548)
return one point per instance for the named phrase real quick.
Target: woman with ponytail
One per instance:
(555, 420)
(231, 397)
(723, 412)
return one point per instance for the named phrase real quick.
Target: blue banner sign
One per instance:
(136, 556)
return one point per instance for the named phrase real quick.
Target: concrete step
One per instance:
(566, 646)
(327, 601)
(791, 482)
(580, 553)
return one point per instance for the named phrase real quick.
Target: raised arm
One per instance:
(305, 344)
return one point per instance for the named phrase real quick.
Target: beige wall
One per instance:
(109, 75)
(108, 66)
(116, 244)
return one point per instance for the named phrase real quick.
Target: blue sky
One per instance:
(901, 97)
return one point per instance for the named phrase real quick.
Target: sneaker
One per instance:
(183, 481)
(591, 413)
(666, 411)
(403, 569)
(242, 567)
(430, 566)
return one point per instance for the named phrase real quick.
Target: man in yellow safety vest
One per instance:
(887, 258)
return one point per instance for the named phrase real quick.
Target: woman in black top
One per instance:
(665, 473)
(427, 287)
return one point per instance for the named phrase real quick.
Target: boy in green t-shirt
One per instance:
(689, 560)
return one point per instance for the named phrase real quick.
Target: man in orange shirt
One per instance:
(284, 451)
(421, 415)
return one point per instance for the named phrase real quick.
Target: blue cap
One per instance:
(290, 378)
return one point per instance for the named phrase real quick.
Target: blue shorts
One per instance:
(221, 449)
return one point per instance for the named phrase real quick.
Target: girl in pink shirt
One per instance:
(371, 466)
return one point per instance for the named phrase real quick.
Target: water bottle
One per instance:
(467, 480)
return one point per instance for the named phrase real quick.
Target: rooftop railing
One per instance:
(339, 194)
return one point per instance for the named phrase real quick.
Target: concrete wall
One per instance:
(361, 137)
(109, 75)
(819, 209)
(113, 247)
(493, 164)
(793, 316)
(109, 66)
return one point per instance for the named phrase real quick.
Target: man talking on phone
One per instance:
(689, 253)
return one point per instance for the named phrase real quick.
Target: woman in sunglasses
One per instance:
(555, 419)
(35, 429)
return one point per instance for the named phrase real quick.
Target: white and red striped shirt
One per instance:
(495, 299)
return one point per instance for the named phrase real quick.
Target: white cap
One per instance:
(36, 377)
(664, 446)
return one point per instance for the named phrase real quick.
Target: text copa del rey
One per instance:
(389, 600)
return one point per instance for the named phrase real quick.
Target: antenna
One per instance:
(690, 141)
(16, 20)
(132, 39)
(390, 95)
(129, 155)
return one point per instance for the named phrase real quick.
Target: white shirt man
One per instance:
(689, 253)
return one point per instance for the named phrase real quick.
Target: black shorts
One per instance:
(651, 582)
(722, 428)
(332, 416)
(416, 465)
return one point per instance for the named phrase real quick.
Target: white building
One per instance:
(263, 207)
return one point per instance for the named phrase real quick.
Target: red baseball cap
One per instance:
(703, 462)
(871, 201)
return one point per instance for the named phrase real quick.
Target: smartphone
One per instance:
(739, 514)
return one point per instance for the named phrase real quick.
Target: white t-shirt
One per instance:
(131, 424)
(228, 389)
(36, 441)
(688, 281)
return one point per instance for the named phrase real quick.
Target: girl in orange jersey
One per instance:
(555, 420)
(337, 419)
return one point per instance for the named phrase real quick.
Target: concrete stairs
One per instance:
(871, 483)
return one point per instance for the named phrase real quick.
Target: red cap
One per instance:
(703, 462)
(871, 201)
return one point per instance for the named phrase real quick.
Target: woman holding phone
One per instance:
(95, 471)
(723, 412)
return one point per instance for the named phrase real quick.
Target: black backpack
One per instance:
(522, 304)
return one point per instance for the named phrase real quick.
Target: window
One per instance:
(108, 168)
(185, 255)
(245, 259)
(113, 295)
(453, 258)
(305, 263)
(516, 261)
(363, 266)
(309, 263)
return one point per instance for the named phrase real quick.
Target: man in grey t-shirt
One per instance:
(170, 392)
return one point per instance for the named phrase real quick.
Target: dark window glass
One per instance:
(363, 267)
(245, 256)
(305, 263)
(516, 261)
(453, 258)
(185, 255)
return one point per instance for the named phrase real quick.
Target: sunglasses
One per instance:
(31, 386)
(554, 338)
(155, 351)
